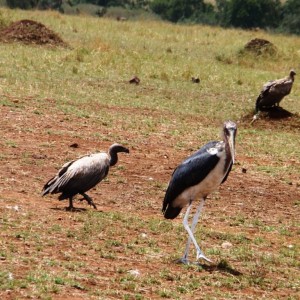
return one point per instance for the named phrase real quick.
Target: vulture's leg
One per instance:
(70, 207)
(88, 199)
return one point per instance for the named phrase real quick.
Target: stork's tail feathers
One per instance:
(171, 212)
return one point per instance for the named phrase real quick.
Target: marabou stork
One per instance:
(274, 91)
(79, 176)
(197, 177)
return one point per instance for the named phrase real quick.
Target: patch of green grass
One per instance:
(11, 144)
(7, 281)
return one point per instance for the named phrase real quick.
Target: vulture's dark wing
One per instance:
(273, 92)
(282, 87)
(79, 175)
(264, 94)
(84, 174)
(62, 170)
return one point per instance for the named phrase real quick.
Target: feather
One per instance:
(80, 175)
(274, 91)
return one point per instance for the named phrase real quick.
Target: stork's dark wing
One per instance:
(192, 171)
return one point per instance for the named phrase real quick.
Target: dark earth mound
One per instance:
(260, 46)
(273, 118)
(31, 32)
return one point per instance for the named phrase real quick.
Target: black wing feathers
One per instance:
(192, 171)
(81, 184)
(59, 174)
(263, 94)
(226, 176)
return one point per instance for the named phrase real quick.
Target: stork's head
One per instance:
(229, 131)
(292, 73)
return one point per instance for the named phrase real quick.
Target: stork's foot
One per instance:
(200, 255)
(183, 260)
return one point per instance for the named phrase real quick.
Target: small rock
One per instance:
(15, 208)
(135, 272)
(75, 145)
(195, 79)
(244, 170)
(143, 235)
(135, 80)
(226, 245)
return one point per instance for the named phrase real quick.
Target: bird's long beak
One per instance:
(231, 144)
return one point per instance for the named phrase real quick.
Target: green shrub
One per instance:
(291, 17)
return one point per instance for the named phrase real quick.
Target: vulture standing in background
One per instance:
(79, 176)
(274, 91)
(197, 177)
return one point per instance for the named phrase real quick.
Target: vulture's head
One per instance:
(292, 73)
(115, 148)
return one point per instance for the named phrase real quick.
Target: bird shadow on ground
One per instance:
(276, 112)
(222, 267)
(275, 116)
(74, 209)
(273, 113)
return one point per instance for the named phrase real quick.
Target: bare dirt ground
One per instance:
(26, 164)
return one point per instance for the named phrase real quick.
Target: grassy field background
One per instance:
(53, 97)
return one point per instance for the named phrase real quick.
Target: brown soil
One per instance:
(31, 32)
(27, 165)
